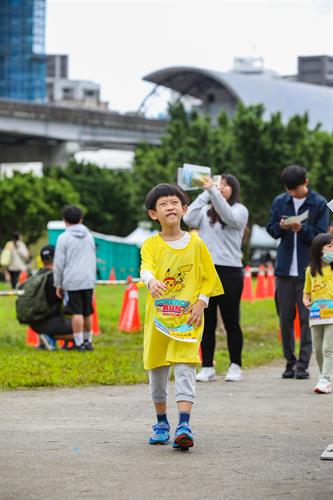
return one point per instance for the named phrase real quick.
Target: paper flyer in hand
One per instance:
(321, 312)
(190, 177)
(296, 218)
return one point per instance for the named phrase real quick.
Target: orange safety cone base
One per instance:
(22, 277)
(297, 328)
(112, 275)
(260, 288)
(270, 282)
(94, 319)
(129, 321)
(297, 325)
(32, 338)
(247, 293)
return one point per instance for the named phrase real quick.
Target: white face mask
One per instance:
(327, 257)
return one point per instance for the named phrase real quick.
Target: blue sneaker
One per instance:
(161, 433)
(48, 341)
(183, 437)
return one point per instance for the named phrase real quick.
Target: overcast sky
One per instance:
(115, 43)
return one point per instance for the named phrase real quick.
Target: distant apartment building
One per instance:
(22, 50)
(63, 91)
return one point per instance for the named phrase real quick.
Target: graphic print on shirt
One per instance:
(171, 313)
(321, 310)
(176, 283)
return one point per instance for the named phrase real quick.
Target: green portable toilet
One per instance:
(112, 252)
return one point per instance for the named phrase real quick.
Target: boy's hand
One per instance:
(196, 313)
(59, 293)
(156, 288)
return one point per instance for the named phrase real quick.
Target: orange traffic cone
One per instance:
(32, 337)
(95, 322)
(112, 275)
(247, 293)
(23, 276)
(260, 288)
(297, 325)
(129, 320)
(270, 282)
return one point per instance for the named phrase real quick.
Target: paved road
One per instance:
(258, 439)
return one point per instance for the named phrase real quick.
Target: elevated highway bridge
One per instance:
(50, 134)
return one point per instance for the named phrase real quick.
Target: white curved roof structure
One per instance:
(276, 94)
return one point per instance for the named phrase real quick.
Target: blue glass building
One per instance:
(22, 50)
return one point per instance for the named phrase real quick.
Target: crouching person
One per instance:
(40, 307)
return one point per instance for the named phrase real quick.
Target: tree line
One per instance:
(249, 145)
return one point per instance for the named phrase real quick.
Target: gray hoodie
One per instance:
(75, 259)
(224, 243)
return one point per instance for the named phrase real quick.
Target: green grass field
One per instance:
(117, 358)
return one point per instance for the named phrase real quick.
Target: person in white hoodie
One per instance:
(74, 274)
(19, 258)
(221, 221)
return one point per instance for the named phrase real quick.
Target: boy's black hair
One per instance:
(293, 176)
(72, 214)
(316, 252)
(165, 190)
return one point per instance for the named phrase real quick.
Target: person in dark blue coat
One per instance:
(293, 256)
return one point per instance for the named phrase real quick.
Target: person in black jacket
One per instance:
(293, 256)
(56, 326)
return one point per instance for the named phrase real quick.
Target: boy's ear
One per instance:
(152, 214)
(185, 207)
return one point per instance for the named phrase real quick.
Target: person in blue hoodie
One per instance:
(75, 275)
(293, 255)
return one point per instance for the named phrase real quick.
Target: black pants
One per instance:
(288, 293)
(232, 281)
(56, 325)
(14, 276)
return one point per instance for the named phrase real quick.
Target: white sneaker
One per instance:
(234, 374)
(206, 374)
(323, 386)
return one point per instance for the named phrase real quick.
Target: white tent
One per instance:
(261, 239)
(139, 235)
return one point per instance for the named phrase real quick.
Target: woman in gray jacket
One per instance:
(221, 220)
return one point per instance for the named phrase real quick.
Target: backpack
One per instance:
(32, 306)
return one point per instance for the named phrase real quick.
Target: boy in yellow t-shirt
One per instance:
(180, 275)
(318, 297)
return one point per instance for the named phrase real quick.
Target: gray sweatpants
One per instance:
(322, 337)
(184, 382)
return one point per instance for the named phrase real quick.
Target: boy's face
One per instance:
(169, 211)
(299, 191)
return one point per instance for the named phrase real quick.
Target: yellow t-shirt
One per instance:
(319, 287)
(187, 272)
